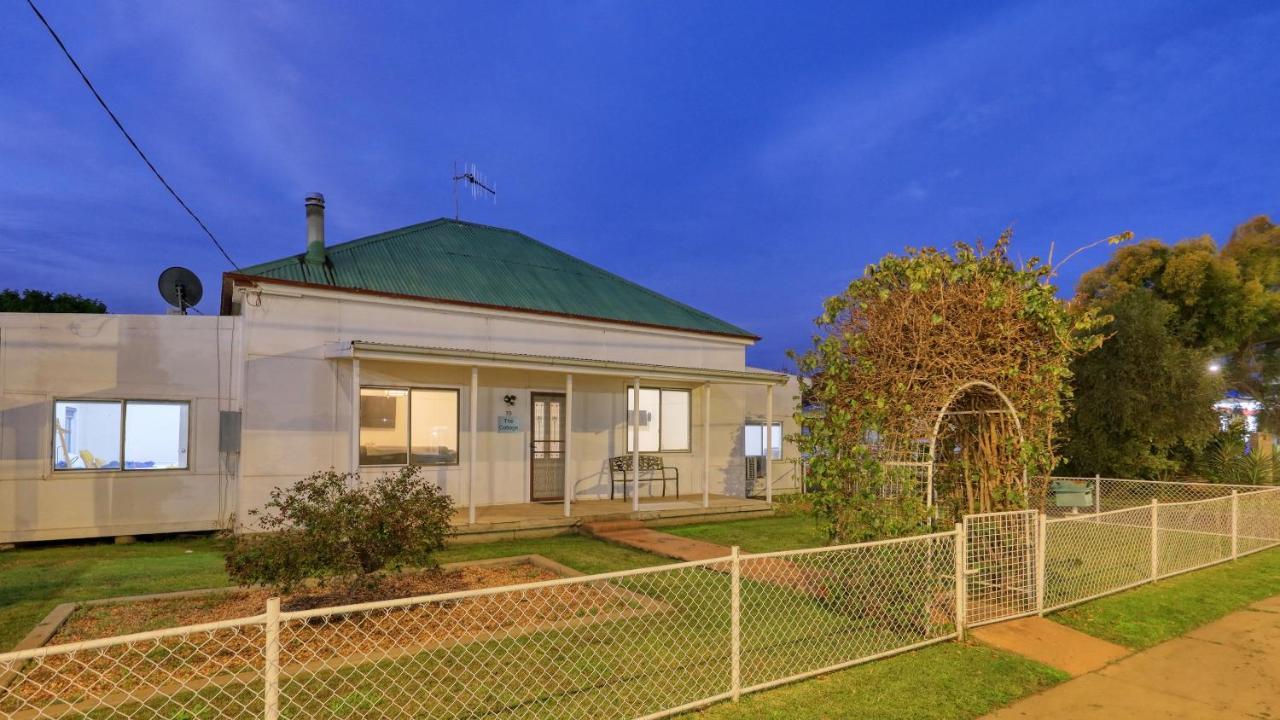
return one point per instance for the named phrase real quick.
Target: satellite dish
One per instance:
(180, 288)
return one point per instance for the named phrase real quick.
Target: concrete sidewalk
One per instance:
(1226, 669)
(1049, 643)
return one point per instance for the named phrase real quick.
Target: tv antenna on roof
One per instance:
(480, 187)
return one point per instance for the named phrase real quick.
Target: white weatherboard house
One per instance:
(508, 369)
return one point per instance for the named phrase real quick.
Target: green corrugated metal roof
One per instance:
(463, 262)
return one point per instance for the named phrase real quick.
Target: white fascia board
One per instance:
(294, 291)
(578, 366)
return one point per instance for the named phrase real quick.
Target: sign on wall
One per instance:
(508, 423)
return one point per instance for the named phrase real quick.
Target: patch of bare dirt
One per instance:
(101, 621)
(227, 657)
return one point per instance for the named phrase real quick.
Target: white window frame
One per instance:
(408, 389)
(658, 420)
(775, 450)
(124, 412)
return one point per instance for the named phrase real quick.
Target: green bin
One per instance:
(1072, 493)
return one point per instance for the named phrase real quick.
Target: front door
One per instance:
(546, 452)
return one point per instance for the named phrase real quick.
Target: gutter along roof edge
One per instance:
(366, 349)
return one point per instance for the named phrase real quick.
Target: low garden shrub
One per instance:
(338, 527)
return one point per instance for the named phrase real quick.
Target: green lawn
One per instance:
(1083, 558)
(1151, 614)
(948, 681)
(34, 580)
(784, 532)
(577, 551)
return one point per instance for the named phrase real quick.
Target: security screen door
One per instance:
(547, 448)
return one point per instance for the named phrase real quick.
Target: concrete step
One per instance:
(608, 526)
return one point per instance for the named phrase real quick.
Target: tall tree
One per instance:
(39, 301)
(1255, 246)
(1143, 401)
(1255, 368)
(1216, 307)
(1226, 303)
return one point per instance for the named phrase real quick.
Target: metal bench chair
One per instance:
(620, 466)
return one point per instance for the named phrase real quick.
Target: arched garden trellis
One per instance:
(976, 427)
(941, 377)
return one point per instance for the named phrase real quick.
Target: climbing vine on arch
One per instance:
(891, 351)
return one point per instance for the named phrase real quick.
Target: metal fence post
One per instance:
(1155, 539)
(960, 582)
(735, 632)
(1235, 524)
(1041, 533)
(271, 665)
(1097, 493)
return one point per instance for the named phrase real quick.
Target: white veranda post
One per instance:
(768, 444)
(635, 447)
(472, 441)
(568, 443)
(355, 415)
(706, 446)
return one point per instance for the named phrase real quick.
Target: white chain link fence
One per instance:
(1087, 555)
(1075, 495)
(216, 670)
(643, 643)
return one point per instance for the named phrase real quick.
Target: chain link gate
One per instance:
(1000, 566)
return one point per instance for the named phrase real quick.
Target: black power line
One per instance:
(129, 137)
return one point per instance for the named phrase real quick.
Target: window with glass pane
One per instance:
(434, 425)
(753, 439)
(664, 419)
(86, 435)
(384, 426)
(674, 427)
(650, 407)
(155, 435)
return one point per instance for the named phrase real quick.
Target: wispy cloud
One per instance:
(920, 86)
(234, 60)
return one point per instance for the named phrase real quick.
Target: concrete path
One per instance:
(774, 571)
(660, 543)
(1052, 644)
(1227, 669)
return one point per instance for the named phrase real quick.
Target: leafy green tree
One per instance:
(1226, 302)
(1255, 246)
(39, 301)
(1255, 368)
(1143, 400)
(1216, 307)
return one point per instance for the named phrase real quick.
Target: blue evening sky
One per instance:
(747, 158)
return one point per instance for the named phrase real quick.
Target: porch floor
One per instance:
(503, 522)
